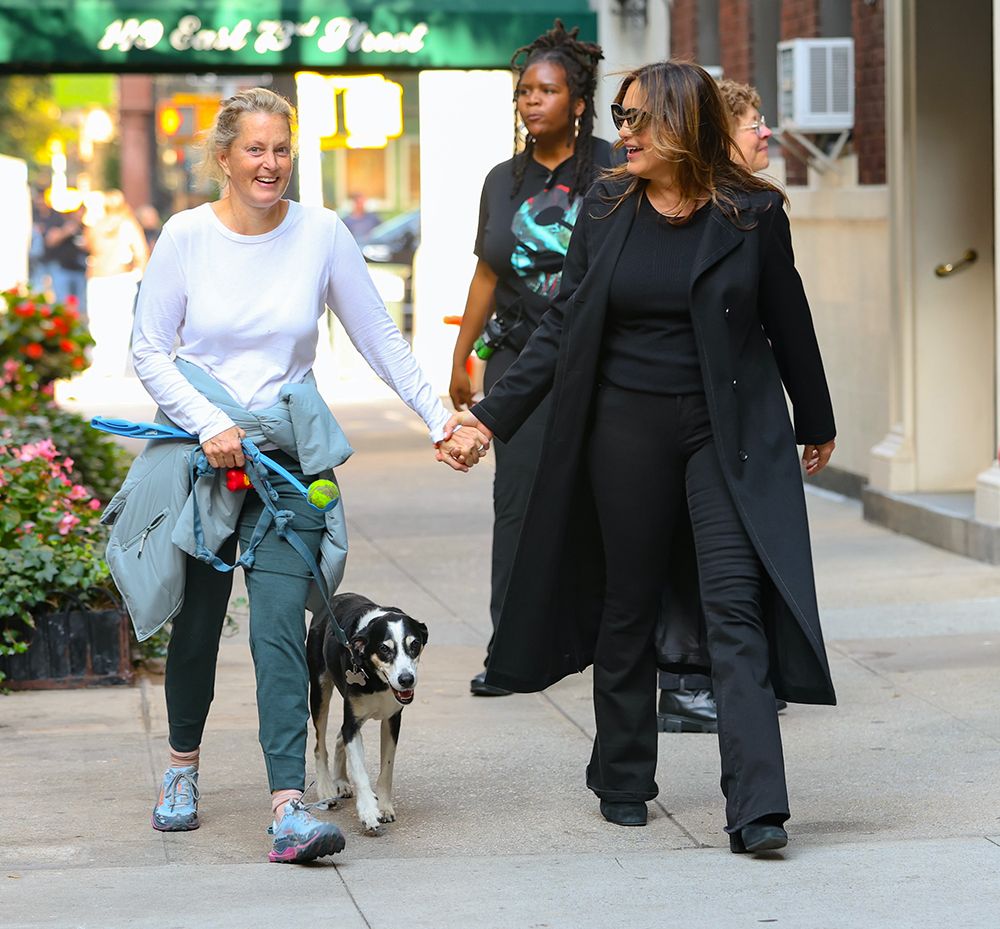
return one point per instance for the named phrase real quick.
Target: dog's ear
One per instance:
(421, 631)
(359, 643)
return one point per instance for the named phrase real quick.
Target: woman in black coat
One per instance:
(679, 318)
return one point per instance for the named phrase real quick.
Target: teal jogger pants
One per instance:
(276, 587)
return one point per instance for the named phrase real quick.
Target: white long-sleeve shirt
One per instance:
(245, 309)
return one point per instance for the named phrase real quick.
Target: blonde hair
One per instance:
(689, 128)
(739, 97)
(226, 127)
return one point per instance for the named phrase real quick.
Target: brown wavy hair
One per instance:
(689, 127)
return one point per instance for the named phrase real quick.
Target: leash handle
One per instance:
(131, 430)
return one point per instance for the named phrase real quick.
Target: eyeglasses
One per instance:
(758, 126)
(635, 118)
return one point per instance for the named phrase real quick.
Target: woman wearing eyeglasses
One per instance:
(749, 128)
(680, 317)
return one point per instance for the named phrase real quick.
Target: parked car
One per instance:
(389, 251)
(395, 240)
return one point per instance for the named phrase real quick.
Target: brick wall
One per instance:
(135, 113)
(736, 40)
(684, 29)
(799, 20)
(869, 91)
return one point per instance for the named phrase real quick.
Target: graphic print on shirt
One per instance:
(542, 227)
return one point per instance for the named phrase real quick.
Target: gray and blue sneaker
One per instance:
(299, 836)
(177, 808)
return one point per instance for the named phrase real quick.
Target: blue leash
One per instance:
(131, 430)
(256, 467)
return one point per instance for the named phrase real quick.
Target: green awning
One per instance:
(224, 35)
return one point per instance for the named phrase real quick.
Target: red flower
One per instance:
(67, 346)
(60, 326)
(78, 362)
(25, 309)
(72, 302)
(71, 312)
(33, 350)
(45, 311)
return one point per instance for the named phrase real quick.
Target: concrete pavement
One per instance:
(895, 793)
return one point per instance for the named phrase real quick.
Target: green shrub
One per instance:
(98, 462)
(51, 541)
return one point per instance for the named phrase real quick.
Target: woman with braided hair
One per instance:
(528, 208)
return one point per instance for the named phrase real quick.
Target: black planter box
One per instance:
(72, 649)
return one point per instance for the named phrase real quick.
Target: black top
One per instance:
(71, 252)
(649, 341)
(524, 238)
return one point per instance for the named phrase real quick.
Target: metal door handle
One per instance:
(967, 259)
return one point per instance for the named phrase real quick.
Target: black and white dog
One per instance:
(377, 677)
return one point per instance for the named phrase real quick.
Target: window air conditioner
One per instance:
(816, 85)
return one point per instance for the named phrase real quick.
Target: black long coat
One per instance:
(754, 332)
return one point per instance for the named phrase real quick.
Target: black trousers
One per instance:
(516, 464)
(649, 456)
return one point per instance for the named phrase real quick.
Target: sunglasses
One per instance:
(635, 118)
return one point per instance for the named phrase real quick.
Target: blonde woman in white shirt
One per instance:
(237, 287)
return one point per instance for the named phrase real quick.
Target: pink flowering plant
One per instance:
(46, 338)
(51, 540)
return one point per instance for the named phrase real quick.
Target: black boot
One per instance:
(762, 835)
(624, 812)
(687, 711)
(479, 688)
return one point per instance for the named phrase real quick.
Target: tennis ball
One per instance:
(323, 494)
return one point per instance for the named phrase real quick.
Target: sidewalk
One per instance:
(895, 793)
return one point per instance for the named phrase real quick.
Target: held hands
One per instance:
(463, 448)
(816, 457)
(224, 450)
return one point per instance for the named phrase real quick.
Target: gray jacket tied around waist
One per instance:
(152, 516)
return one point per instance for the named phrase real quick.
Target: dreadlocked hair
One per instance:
(579, 63)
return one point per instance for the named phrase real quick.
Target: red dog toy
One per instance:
(236, 479)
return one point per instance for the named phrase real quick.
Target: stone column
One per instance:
(893, 467)
(988, 482)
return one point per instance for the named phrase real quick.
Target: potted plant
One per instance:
(60, 624)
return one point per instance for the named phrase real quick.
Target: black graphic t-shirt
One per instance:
(524, 239)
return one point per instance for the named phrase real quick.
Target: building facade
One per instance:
(894, 232)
